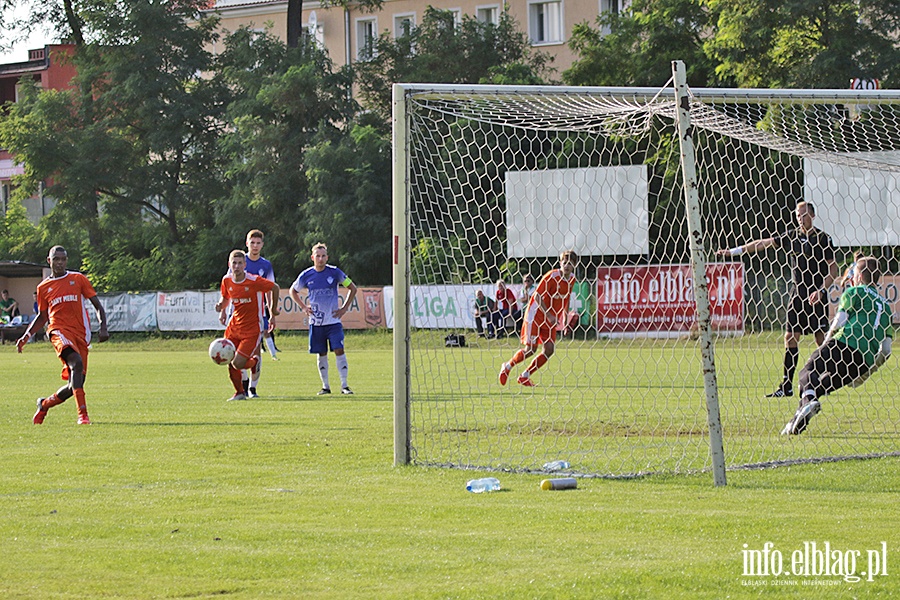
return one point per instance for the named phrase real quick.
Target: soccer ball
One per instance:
(221, 351)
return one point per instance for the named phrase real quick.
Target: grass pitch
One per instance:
(174, 493)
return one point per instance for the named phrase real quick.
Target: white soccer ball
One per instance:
(221, 351)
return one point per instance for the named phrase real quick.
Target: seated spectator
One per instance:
(525, 293)
(9, 308)
(506, 307)
(484, 309)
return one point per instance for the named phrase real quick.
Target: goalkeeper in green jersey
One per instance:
(858, 342)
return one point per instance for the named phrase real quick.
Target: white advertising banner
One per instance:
(127, 312)
(445, 306)
(389, 306)
(187, 311)
(599, 210)
(856, 206)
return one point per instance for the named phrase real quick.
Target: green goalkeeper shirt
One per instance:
(868, 321)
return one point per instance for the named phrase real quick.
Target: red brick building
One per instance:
(51, 68)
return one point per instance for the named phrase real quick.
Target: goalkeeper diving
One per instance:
(858, 343)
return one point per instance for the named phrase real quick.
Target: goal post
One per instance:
(698, 264)
(401, 279)
(492, 182)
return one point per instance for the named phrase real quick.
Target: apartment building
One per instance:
(347, 33)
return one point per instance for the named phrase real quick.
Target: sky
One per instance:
(19, 53)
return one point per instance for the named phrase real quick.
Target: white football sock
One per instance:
(254, 376)
(341, 362)
(323, 371)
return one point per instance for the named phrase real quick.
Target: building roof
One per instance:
(18, 268)
(22, 68)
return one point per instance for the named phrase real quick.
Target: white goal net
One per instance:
(492, 183)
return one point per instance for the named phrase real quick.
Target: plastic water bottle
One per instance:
(565, 483)
(486, 484)
(556, 465)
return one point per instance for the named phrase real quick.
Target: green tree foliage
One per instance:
(350, 202)
(805, 43)
(283, 103)
(130, 151)
(16, 232)
(440, 51)
(636, 47)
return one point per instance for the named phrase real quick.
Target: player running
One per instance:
(60, 300)
(245, 293)
(546, 307)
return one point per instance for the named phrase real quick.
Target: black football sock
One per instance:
(790, 366)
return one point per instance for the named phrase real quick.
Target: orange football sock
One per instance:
(51, 402)
(518, 357)
(79, 400)
(539, 361)
(236, 377)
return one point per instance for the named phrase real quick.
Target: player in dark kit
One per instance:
(814, 269)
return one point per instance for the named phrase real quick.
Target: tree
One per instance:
(131, 152)
(805, 43)
(637, 46)
(441, 51)
(284, 101)
(350, 201)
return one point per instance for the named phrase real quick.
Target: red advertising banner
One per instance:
(660, 298)
(366, 311)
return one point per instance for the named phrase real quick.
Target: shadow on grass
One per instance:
(328, 398)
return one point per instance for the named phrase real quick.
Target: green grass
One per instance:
(622, 407)
(174, 493)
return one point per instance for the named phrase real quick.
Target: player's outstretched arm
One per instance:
(748, 248)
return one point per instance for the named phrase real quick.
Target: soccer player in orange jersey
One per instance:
(245, 293)
(60, 300)
(548, 304)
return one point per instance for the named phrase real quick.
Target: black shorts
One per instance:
(805, 318)
(830, 367)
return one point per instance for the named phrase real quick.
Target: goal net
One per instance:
(492, 183)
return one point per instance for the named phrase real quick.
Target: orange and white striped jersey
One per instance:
(62, 300)
(247, 300)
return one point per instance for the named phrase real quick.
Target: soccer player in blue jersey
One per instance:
(324, 309)
(257, 265)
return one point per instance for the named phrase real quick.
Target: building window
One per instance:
(457, 16)
(545, 22)
(488, 14)
(366, 36)
(5, 194)
(314, 30)
(403, 24)
(612, 6)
